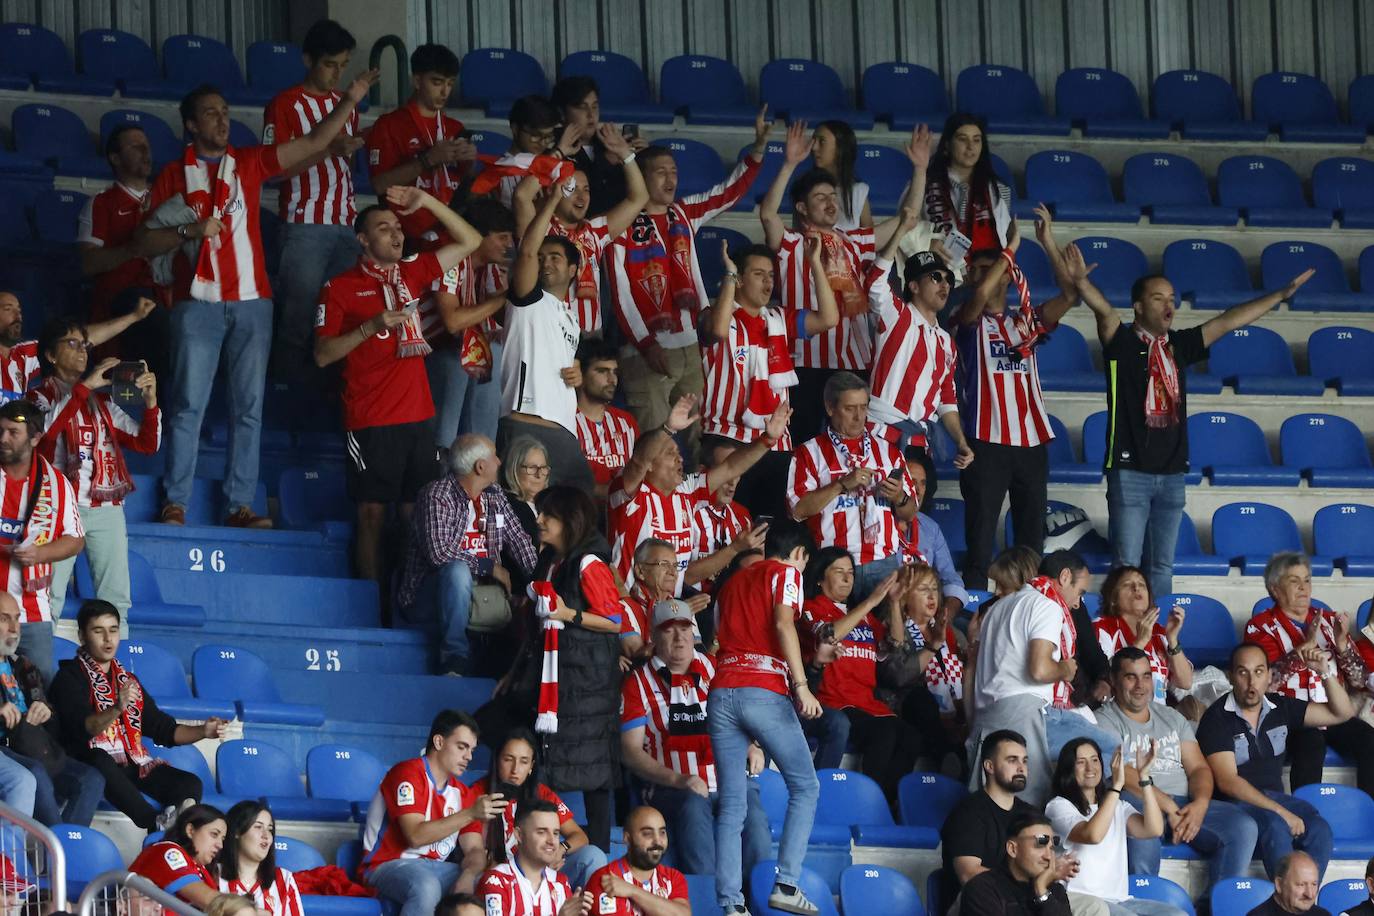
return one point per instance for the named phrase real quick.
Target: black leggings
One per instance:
(1353, 739)
(123, 787)
(889, 746)
(598, 803)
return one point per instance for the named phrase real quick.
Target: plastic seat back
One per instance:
(1180, 96)
(1208, 626)
(896, 88)
(1153, 887)
(1119, 263)
(55, 215)
(698, 165)
(1349, 811)
(796, 83)
(1360, 100)
(925, 799)
(274, 65)
(296, 855)
(1345, 894)
(1251, 351)
(1194, 265)
(619, 80)
(114, 55)
(997, 91)
(160, 672)
(887, 172)
(1063, 176)
(699, 79)
(1086, 94)
(949, 515)
(875, 889)
(253, 769)
(500, 73)
(89, 852)
(709, 260)
(1164, 179)
(1280, 262)
(165, 145)
(1259, 181)
(232, 673)
(341, 771)
(1322, 440)
(1343, 183)
(1065, 350)
(189, 60)
(1239, 895)
(46, 131)
(849, 798)
(1220, 439)
(1341, 353)
(765, 874)
(1292, 98)
(1253, 528)
(1343, 529)
(32, 51)
(1095, 438)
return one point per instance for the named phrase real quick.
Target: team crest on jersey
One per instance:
(269, 134)
(175, 859)
(741, 354)
(374, 157)
(493, 905)
(605, 905)
(405, 794)
(319, 315)
(790, 592)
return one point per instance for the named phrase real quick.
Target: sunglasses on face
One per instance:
(1044, 839)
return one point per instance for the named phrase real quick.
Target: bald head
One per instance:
(1296, 882)
(646, 838)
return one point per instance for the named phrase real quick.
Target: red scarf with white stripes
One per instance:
(545, 601)
(110, 479)
(42, 519)
(769, 371)
(1161, 391)
(1028, 325)
(1068, 635)
(208, 201)
(548, 169)
(123, 740)
(410, 338)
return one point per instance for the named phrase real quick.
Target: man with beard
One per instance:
(638, 885)
(528, 885)
(606, 433)
(485, 845)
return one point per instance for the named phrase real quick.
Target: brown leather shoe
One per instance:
(243, 517)
(172, 514)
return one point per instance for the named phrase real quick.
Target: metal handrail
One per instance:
(57, 856)
(374, 62)
(85, 906)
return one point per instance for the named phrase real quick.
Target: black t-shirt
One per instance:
(1131, 444)
(1363, 909)
(1271, 907)
(977, 826)
(1259, 753)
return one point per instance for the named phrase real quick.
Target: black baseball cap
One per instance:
(920, 264)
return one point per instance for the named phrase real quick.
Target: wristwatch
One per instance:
(1146, 782)
(183, 231)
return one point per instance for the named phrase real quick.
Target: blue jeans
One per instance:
(311, 254)
(35, 644)
(442, 607)
(203, 333)
(831, 732)
(740, 715)
(1062, 726)
(691, 829)
(461, 403)
(70, 798)
(416, 885)
(18, 788)
(867, 576)
(1275, 841)
(1227, 838)
(581, 864)
(1143, 513)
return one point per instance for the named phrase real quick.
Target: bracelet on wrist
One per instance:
(626, 160)
(1116, 789)
(1175, 649)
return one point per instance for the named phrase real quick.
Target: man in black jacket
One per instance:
(1366, 908)
(1296, 882)
(104, 715)
(1024, 883)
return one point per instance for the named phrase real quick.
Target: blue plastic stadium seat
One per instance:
(309, 498)
(1153, 887)
(274, 66)
(1340, 356)
(1301, 108)
(189, 60)
(773, 153)
(1269, 193)
(1203, 106)
(1095, 438)
(125, 60)
(1249, 533)
(905, 95)
(56, 136)
(55, 215)
(1212, 274)
(1239, 895)
(1256, 360)
(166, 147)
(1345, 532)
(343, 773)
(623, 90)
(1189, 557)
(236, 674)
(1208, 626)
(949, 515)
(808, 90)
(887, 171)
(296, 855)
(1327, 291)
(706, 90)
(773, 795)
(1104, 104)
(1329, 450)
(1064, 464)
(493, 78)
(875, 889)
(163, 676)
(149, 608)
(764, 876)
(1119, 265)
(712, 267)
(1349, 811)
(1077, 187)
(925, 799)
(1345, 184)
(400, 699)
(701, 893)
(698, 165)
(1340, 896)
(490, 142)
(31, 52)
(1009, 99)
(187, 757)
(1231, 450)
(257, 769)
(241, 135)
(1172, 189)
(1064, 362)
(1360, 99)
(1031, 258)
(89, 853)
(852, 802)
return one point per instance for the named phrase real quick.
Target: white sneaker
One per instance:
(794, 902)
(167, 818)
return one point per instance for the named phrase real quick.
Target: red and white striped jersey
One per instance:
(323, 193)
(471, 283)
(54, 515)
(19, 369)
(608, 443)
(913, 365)
(75, 417)
(280, 898)
(730, 372)
(664, 882)
(717, 526)
(592, 237)
(659, 252)
(999, 389)
(861, 522)
(505, 892)
(1279, 636)
(651, 513)
(645, 700)
(846, 257)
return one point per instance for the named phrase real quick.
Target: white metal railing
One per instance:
(33, 866)
(123, 893)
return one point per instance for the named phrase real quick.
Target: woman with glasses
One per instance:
(526, 471)
(1089, 813)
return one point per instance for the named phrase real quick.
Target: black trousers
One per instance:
(123, 787)
(996, 472)
(889, 745)
(1354, 740)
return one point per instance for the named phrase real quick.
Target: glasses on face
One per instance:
(1044, 839)
(535, 470)
(660, 564)
(940, 276)
(75, 343)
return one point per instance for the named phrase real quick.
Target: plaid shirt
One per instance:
(441, 517)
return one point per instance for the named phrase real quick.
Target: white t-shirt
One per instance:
(1102, 866)
(858, 196)
(541, 341)
(1004, 646)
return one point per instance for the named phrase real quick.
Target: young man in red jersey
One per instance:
(640, 884)
(606, 433)
(315, 202)
(528, 885)
(414, 819)
(759, 673)
(417, 144)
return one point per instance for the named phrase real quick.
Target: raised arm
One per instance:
(717, 322)
(742, 459)
(103, 331)
(408, 199)
(975, 304)
(917, 150)
(827, 313)
(1076, 272)
(1238, 316)
(798, 148)
(316, 143)
(1149, 823)
(619, 217)
(524, 275)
